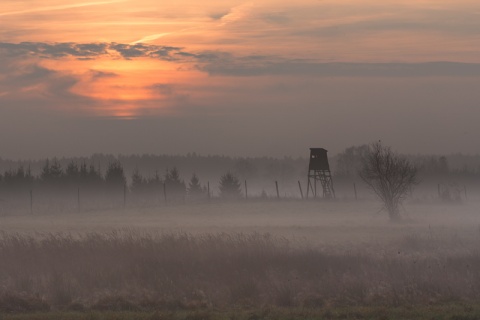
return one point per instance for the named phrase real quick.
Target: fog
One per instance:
(154, 159)
(86, 238)
(315, 223)
(248, 254)
(415, 115)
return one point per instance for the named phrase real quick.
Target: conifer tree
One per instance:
(115, 175)
(138, 182)
(230, 187)
(175, 186)
(194, 188)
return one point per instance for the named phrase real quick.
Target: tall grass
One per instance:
(127, 270)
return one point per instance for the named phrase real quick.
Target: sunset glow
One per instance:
(147, 59)
(239, 159)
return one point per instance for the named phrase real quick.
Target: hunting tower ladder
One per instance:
(319, 170)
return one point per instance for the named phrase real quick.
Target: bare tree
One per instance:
(390, 176)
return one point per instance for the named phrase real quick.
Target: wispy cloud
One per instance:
(236, 14)
(33, 82)
(62, 7)
(151, 37)
(160, 35)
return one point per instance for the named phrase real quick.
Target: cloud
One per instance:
(206, 56)
(368, 20)
(218, 15)
(355, 28)
(259, 66)
(163, 88)
(276, 18)
(170, 93)
(236, 14)
(53, 51)
(33, 85)
(151, 37)
(130, 51)
(97, 74)
(227, 64)
(29, 75)
(61, 7)
(84, 51)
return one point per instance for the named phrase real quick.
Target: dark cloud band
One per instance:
(88, 50)
(226, 64)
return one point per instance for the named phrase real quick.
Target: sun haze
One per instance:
(174, 75)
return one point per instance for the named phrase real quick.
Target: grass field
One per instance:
(457, 311)
(255, 260)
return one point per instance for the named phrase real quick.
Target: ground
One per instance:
(293, 259)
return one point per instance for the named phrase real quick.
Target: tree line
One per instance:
(147, 176)
(58, 179)
(348, 163)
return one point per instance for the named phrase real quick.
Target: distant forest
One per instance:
(206, 168)
(144, 177)
(210, 168)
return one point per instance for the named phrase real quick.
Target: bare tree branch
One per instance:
(389, 176)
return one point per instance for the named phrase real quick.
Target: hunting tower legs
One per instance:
(319, 170)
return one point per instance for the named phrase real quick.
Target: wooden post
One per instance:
(124, 195)
(165, 192)
(246, 190)
(278, 193)
(300, 187)
(315, 188)
(208, 190)
(31, 201)
(309, 186)
(355, 190)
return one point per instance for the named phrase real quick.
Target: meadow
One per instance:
(244, 260)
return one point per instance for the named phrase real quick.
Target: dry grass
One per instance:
(243, 256)
(135, 271)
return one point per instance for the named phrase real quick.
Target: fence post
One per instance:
(124, 195)
(300, 187)
(31, 201)
(165, 192)
(246, 190)
(278, 193)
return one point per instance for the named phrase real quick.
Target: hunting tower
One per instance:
(319, 170)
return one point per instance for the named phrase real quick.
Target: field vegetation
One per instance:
(243, 260)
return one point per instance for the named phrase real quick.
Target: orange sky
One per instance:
(147, 58)
(353, 31)
(371, 28)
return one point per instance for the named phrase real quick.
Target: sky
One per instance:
(238, 78)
